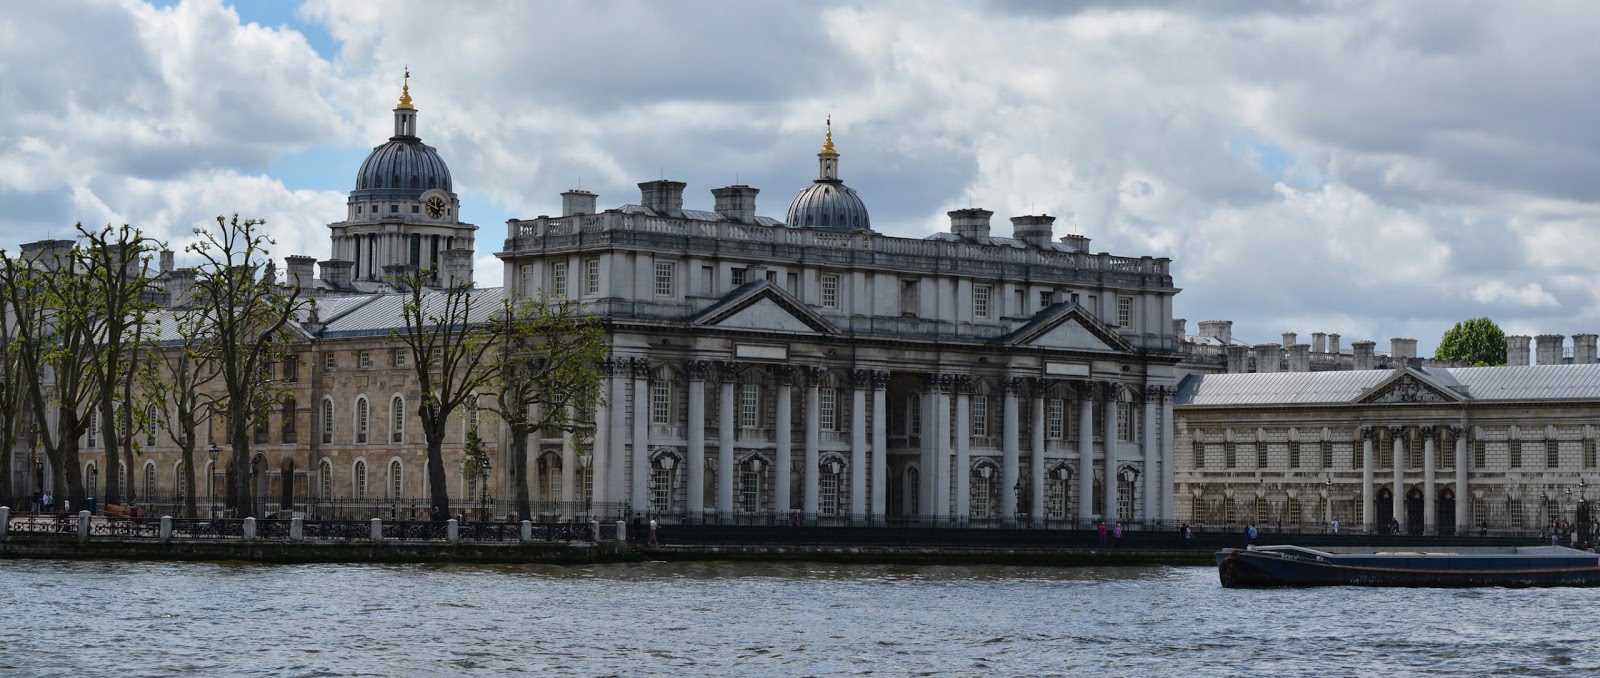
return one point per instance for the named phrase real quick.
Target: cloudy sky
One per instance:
(1372, 169)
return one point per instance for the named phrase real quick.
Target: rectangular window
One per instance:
(1125, 422)
(558, 279)
(980, 498)
(980, 301)
(661, 489)
(1261, 454)
(1230, 456)
(364, 360)
(750, 486)
(828, 503)
(750, 406)
(738, 275)
(1294, 454)
(794, 283)
(1124, 311)
(830, 290)
(828, 411)
(1514, 454)
(591, 276)
(1022, 296)
(1385, 454)
(399, 358)
(1198, 449)
(980, 415)
(1057, 499)
(527, 280)
(661, 402)
(910, 299)
(1480, 512)
(1057, 419)
(1413, 453)
(1358, 452)
(916, 416)
(1589, 453)
(291, 369)
(1294, 512)
(1552, 454)
(1327, 454)
(664, 278)
(1044, 298)
(327, 421)
(1480, 454)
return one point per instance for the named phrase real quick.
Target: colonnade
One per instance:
(1370, 438)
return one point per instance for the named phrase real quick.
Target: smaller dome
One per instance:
(830, 205)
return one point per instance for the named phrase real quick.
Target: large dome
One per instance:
(401, 170)
(828, 204)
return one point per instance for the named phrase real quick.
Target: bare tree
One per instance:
(113, 259)
(549, 376)
(452, 363)
(175, 381)
(246, 316)
(13, 388)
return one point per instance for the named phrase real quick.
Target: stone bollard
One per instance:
(249, 529)
(527, 531)
(377, 529)
(594, 530)
(622, 531)
(166, 528)
(297, 528)
(452, 531)
(5, 521)
(83, 526)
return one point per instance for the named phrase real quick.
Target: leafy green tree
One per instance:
(1478, 342)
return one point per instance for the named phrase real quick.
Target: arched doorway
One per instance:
(1383, 510)
(1414, 523)
(1445, 511)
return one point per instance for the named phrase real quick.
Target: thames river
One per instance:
(723, 619)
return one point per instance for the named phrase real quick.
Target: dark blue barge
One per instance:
(1510, 566)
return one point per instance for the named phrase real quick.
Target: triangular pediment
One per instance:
(1408, 386)
(1069, 327)
(763, 307)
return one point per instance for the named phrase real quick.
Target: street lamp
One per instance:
(211, 479)
(1327, 502)
(483, 488)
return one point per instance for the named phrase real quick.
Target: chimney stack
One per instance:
(180, 287)
(1583, 349)
(52, 255)
(1221, 330)
(337, 273)
(1517, 350)
(1180, 328)
(663, 196)
(1401, 348)
(1268, 359)
(1319, 342)
(1289, 338)
(971, 223)
(1364, 354)
(457, 267)
(1547, 348)
(166, 261)
(1076, 243)
(1299, 358)
(1238, 359)
(736, 202)
(1037, 230)
(577, 201)
(1333, 343)
(300, 271)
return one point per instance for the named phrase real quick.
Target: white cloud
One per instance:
(1499, 292)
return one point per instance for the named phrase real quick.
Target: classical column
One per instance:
(1428, 517)
(930, 444)
(1168, 473)
(880, 444)
(1010, 445)
(1397, 444)
(1368, 498)
(940, 495)
(1110, 444)
(1147, 435)
(696, 470)
(783, 427)
(602, 443)
(813, 439)
(1036, 458)
(859, 381)
(641, 435)
(569, 472)
(617, 456)
(1463, 493)
(963, 440)
(725, 441)
(1086, 393)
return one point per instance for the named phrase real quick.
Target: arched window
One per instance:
(150, 424)
(828, 487)
(1127, 486)
(551, 467)
(397, 415)
(913, 491)
(359, 480)
(397, 477)
(982, 480)
(149, 481)
(325, 474)
(661, 482)
(914, 414)
(362, 419)
(327, 420)
(181, 482)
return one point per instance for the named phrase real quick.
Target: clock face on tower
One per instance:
(435, 207)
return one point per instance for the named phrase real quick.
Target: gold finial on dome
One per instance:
(827, 146)
(405, 91)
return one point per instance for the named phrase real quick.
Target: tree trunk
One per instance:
(242, 485)
(190, 489)
(286, 492)
(519, 470)
(438, 490)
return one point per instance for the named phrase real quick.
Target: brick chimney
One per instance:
(1037, 230)
(971, 223)
(1238, 359)
(663, 196)
(1402, 348)
(1268, 359)
(1299, 358)
(1365, 354)
(1547, 349)
(736, 202)
(1583, 349)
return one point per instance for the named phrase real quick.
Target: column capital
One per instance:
(938, 383)
(698, 369)
(961, 384)
(812, 374)
(860, 378)
(785, 374)
(1457, 431)
(1013, 385)
(640, 367)
(1396, 431)
(1085, 390)
(1366, 432)
(729, 370)
(1427, 431)
(880, 380)
(1110, 390)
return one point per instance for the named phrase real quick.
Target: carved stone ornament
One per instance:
(860, 378)
(1409, 390)
(698, 369)
(641, 367)
(880, 380)
(1366, 432)
(729, 370)
(783, 373)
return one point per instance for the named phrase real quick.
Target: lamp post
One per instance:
(211, 479)
(483, 488)
(1327, 502)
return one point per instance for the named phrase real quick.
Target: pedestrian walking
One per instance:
(1116, 536)
(49, 502)
(653, 527)
(1187, 535)
(1102, 532)
(1250, 535)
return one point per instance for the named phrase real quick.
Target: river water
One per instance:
(208, 619)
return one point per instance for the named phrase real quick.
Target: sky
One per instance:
(1375, 169)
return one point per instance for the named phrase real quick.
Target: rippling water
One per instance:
(161, 619)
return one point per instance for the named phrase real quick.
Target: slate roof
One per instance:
(1475, 384)
(359, 315)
